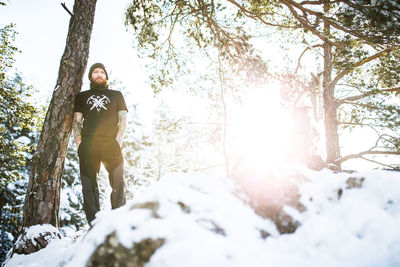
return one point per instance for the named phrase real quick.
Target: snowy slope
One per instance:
(203, 223)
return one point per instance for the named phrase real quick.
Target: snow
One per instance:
(204, 224)
(11, 187)
(36, 230)
(23, 140)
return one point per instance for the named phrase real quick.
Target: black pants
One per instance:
(92, 152)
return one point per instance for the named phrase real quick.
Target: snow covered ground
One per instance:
(212, 227)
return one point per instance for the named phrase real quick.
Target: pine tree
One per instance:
(20, 122)
(43, 195)
(72, 216)
(357, 38)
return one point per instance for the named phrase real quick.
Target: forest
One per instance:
(237, 88)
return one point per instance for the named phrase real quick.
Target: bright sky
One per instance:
(43, 26)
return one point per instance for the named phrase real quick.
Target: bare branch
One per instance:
(368, 152)
(302, 54)
(377, 162)
(311, 3)
(66, 8)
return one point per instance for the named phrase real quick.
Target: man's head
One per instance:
(98, 76)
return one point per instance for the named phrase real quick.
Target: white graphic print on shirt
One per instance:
(98, 102)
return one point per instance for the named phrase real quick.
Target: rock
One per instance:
(34, 238)
(333, 167)
(351, 183)
(354, 182)
(212, 226)
(268, 193)
(112, 253)
(153, 206)
(180, 219)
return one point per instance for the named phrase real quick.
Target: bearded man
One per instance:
(99, 126)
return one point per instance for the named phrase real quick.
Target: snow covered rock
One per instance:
(35, 238)
(195, 220)
(112, 253)
(272, 193)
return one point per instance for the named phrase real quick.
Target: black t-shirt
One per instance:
(100, 112)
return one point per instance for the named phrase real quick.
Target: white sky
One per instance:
(43, 25)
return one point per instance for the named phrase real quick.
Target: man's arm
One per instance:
(121, 126)
(77, 128)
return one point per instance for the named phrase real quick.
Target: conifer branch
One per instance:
(358, 97)
(358, 64)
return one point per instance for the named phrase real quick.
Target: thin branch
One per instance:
(358, 6)
(358, 97)
(368, 152)
(369, 124)
(253, 15)
(311, 3)
(298, 61)
(302, 54)
(66, 9)
(375, 107)
(222, 81)
(331, 22)
(207, 168)
(290, 5)
(210, 123)
(377, 162)
(385, 138)
(358, 64)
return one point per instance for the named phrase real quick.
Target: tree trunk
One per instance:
(330, 107)
(42, 199)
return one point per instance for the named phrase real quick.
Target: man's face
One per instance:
(99, 76)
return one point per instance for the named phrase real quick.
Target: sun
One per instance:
(264, 126)
(265, 169)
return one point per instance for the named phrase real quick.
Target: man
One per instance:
(99, 126)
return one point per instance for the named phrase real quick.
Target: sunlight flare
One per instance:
(264, 127)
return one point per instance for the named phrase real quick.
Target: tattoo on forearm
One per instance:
(122, 114)
(77, 129)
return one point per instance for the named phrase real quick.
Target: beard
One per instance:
(98, 84)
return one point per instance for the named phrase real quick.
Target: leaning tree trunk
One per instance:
(330, 107)
(42, 199)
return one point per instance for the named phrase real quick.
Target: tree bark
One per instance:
(330, 107)
(42, 199)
